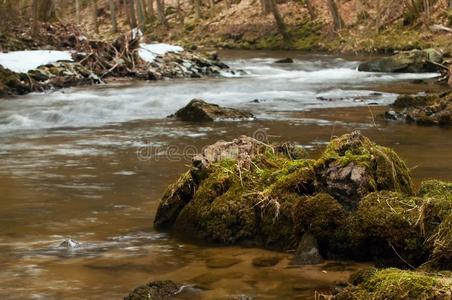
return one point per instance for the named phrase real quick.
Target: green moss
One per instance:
(387, 170)
(437, 222)
(399, 284)
(326, 219)
(272, 199)
(385, 227)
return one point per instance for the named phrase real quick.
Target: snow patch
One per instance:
(148, 52)
(24, 61)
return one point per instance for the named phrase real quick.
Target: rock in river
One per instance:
(431, 109)
(200, 111)
(287, 60)
(308, 251)
(414, 61)
(156, 290)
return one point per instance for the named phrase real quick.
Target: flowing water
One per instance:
(91, 164)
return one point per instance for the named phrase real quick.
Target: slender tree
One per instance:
(311, 10)
(151, 12)
(197, 8)
(161, 12)
(337, 19)
(94, 12)
(212, 7)
(265, 7)
(278, 19)
(34, 13)
(77, 11)
(450, 4)
(114, 23)
(132, 16)
(141, 12)
(378, 19)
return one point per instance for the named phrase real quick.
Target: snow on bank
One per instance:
(24, 61)
(148, 52)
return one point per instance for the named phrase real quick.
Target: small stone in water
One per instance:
(70, 244)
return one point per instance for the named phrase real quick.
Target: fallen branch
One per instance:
(437, 27)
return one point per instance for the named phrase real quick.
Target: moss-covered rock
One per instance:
(431, 109)
(198, 110)
(353, 166)
(414, 61)
(246, 192)
(436, 220)
(12, 84)
(399, 284)
(156, 290)
(386, 228)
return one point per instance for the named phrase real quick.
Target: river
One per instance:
(91, 163)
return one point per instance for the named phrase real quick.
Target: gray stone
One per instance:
(414, 61)
(308, 251)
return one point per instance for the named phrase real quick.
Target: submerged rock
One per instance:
(70, 244)
(286, 60)
(265, 261)
(414, 61)
(156, 290)
(307, 251)
(222, 262)
(200, 111)
(432, 109)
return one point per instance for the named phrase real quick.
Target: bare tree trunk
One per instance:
(212, 7)
(94, 12)
(337, 19)
(151, 12)
(132, 16)
(179, 12)
(77, 11)
(228, 4)
(141, 12)
(278, 19)
(197, 7)
(378, 19)
(114, 23)
(450, 4)
(265, 7)
(427, 13)
(161, 12)
(311, 9)
(34, 13)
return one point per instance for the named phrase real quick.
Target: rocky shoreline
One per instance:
(94, 62)
(356, 201)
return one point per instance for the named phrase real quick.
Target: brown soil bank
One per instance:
(356, 199)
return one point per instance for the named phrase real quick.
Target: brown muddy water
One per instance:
(91, 164)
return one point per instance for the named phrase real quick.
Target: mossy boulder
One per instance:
(436, 221)
(431, 109)
(414, 61)
(398, 284)
(246, 192)
(353, 166)
(12, 83)
(386, 228)
(198, 110)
